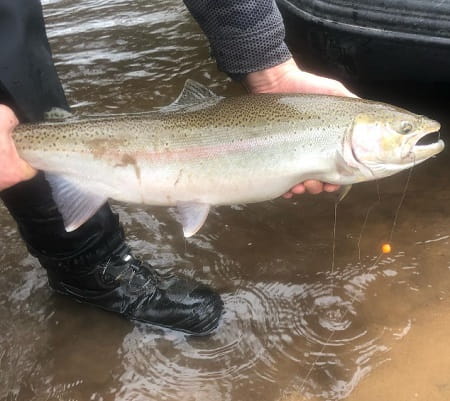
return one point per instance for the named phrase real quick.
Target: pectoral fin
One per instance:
(75, 204)
(193, 216)
(343, 191)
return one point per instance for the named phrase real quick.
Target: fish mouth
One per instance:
(425, 144)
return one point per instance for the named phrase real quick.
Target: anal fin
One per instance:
(193, 216)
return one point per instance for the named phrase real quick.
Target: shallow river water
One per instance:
(375, 327)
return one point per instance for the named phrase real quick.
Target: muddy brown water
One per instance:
(373, 328)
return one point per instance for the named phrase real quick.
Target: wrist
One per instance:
(269, 79)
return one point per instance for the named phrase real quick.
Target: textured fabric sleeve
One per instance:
(245, 36)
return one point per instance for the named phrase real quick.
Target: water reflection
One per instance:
(127, 55)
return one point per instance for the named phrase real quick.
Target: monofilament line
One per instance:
(333, 252)
(397, 212)
(380, 255)
(369, 210)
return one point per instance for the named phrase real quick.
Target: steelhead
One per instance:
(205, 150)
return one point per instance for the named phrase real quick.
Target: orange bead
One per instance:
(386, 248)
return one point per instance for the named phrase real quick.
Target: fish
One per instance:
(206, 150)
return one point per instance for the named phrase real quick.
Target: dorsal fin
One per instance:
(193, 93)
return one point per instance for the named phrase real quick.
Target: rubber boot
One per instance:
(93, 264)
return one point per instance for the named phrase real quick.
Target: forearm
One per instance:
(245, 36)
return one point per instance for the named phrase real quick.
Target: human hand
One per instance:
(12, 168)
(288, 78)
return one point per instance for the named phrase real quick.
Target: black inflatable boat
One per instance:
(371, 40)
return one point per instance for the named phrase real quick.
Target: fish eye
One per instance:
(406, 127)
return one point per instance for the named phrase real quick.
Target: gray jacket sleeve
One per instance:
(245, 36)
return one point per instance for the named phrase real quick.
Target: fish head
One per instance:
(382, 143)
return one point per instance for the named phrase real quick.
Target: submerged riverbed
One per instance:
(375, 327)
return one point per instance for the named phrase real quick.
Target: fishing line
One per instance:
(369, 210)
(400, 204)
(333, 254)
(330, 337)
(332, 275)
(380, 255)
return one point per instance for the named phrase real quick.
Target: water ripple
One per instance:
(303, 325)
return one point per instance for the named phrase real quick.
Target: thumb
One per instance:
(8, 119)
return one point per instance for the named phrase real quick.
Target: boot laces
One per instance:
(124, 267)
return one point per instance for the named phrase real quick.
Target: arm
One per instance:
(245, 36)
(29, 84)
(247, 40)
(13, 168)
